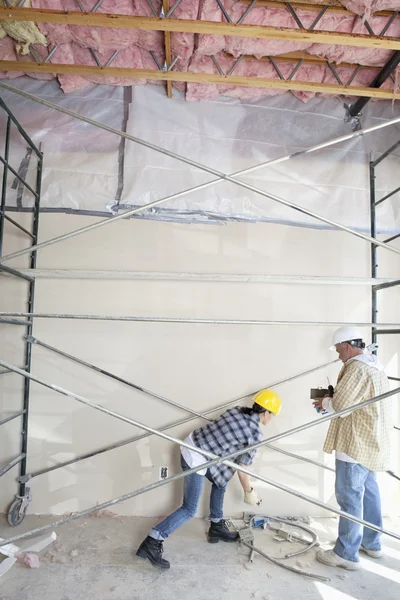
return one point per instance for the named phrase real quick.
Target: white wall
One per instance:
(197, 365)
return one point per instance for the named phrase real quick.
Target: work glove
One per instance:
(252, 498)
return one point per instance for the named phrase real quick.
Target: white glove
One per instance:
(252, 498)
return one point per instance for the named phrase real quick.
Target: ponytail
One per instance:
(255, 409)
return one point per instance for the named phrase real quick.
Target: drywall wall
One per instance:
(197, 365)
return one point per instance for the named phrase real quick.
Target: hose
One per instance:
(277, 562)
(288, 567)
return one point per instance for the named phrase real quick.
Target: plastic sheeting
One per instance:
(82, 170)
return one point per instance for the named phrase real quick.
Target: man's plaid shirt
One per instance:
(364, 434)
(232, 431)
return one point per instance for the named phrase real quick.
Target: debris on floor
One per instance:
(99, 514)
(29, 559)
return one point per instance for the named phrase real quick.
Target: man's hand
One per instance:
(318, 403)
(252, 498)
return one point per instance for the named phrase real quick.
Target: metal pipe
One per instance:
(302, 458)
(387, 196)
(16, 174)
(374, 298)
(246, 12)
(4, 183)
(189, 321)
(11, 417)
(388, 284)
(355, 109)
(139, 388)
(14, 322)
(157, 484)
(16, 224)
(227, 458)
(173, 9)
(217, 459)
(385, 154)
(394, 237)
(392, 474)
(221, 177)
(386, 331)
(16, 273)
(10, 465)
(222, 8)
(200, 277)
(162, 398)
(28, 345)
(172, 425)
(18, 126)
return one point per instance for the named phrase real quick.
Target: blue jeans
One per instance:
(193, 487)
(357, 493)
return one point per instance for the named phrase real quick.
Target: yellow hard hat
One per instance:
(269, 400)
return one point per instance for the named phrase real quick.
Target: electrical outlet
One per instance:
(163, 473)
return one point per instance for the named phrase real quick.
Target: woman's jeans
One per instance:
(357, 493)
(193, 487)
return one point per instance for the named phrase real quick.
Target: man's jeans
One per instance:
(357, 493)
(193, 487)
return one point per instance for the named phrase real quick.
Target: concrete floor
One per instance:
(95, 559)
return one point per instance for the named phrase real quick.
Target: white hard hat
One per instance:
(345, 334)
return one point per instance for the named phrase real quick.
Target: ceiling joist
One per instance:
(332, 7)
(307, 59)
(207, 78)
(96, 19)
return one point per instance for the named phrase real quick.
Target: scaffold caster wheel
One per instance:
(17, 512)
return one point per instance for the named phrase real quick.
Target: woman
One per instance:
(236, 429)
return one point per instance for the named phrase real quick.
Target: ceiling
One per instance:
(206, 48)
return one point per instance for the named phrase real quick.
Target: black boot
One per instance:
(220, 531)
(152, 550)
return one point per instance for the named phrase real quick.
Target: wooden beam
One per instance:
(205, 27)
(167, 44)
(157, 75)
(333, 7)
(308, 59)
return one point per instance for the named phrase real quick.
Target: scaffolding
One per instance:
(19, 506)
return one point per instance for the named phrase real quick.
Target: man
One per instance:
(233, 431)
(361, 442)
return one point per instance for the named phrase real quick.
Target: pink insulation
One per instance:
(128, 58)
(30, 559)
(368, 7)
(7, 52)
(194, 51)
(263, 68)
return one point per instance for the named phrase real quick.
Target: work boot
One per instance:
(219, 531)
(152, 550)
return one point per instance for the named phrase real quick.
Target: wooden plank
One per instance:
(157, 75)
(308, 59)
(167, 44)
(333, 7)
(206, 27)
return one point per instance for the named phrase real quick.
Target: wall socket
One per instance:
(163, 473)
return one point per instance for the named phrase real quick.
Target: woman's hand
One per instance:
(252, 498)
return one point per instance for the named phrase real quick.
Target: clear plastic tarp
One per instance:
(87, 169)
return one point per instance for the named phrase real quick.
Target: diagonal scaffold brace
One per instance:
(213, 458)
(231, 178)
